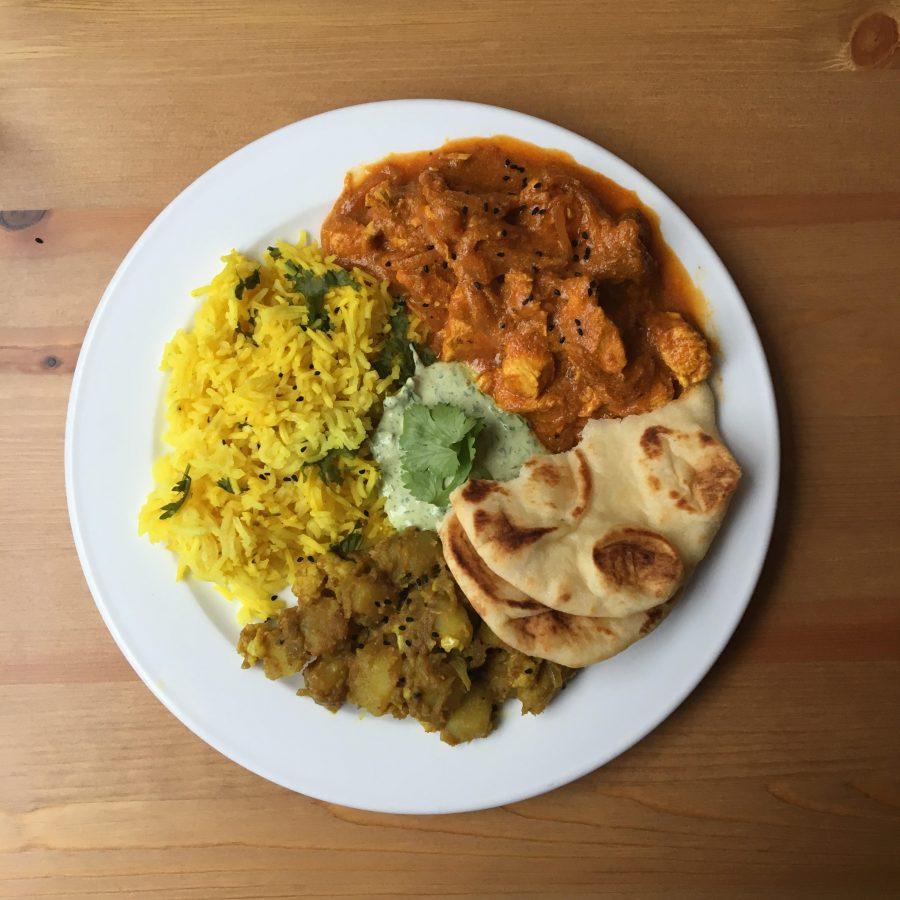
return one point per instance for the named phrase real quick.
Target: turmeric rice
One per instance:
(270, 397)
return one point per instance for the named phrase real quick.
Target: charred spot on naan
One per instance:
(479, 489)
(714, 485)
(654, 616)
(637, 558)
(459, 551)
(651, 440)
(543, 471)
(585, 485)
(499, 529)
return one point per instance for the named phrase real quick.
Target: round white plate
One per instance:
(180, 637)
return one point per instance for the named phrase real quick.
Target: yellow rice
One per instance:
(237, 411)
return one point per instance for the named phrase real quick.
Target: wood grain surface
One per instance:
(778, 777)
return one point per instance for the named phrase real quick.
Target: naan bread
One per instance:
(614, 526)
(531, 627)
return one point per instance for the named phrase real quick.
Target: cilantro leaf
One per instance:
(225, 484)
(182, 487)
(274, 252)
(251, 281)
(397, 348)
(348, 544)
(314, 288)
(438, 446)
(329, 471)
(425, 354)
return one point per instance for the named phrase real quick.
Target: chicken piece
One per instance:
(465, 335)
(680, 346)
(584, 324)
(517, 291)
(527, 367)
(612, 250)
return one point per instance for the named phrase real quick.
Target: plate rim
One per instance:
(711, 651)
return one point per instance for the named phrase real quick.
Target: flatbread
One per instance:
(614, 526)
(531, 627)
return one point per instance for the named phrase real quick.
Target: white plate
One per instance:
(180, 637)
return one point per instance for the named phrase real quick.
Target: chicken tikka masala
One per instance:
(550, 281)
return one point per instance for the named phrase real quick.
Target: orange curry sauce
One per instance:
(552, 282)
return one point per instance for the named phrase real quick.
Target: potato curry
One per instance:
(389, 630)
(549, 280)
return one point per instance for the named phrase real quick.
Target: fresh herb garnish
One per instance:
(274, 252)
(328, 467)
(182, 487)
(314, 288)
(397, 348)
(438, 444)
(348, 544)
(425, 354)
(225, 484)
(251, 324)
(251, 281)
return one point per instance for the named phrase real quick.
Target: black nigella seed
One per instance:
(403, 628)
(310, 559)
(426, 269)
(537, 185)
(529, 670)
(429, 246)
(387, 265)
(585, 235)
(478, 285)
(500, 253)
(409, 644)
(506, 177)
(484, 206)
(587, 252)
(556, 292)
(410, 619)
(434, 634)
(496, 210)
(562, 339)
(578, 321)
(580, 332)
(465, 210)
(274, 596)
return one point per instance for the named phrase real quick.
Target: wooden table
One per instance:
(778, 777)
